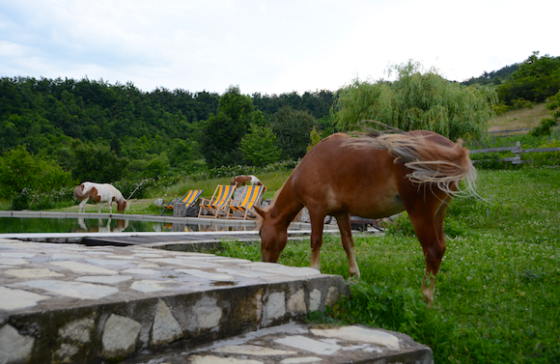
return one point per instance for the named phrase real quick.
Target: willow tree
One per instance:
(416, 100)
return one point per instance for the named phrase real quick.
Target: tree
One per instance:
(19, 170)
(259, 146)
(97, 163)
(223, 132)
(416, 101)
(535, 80)
(315, 138)
(292, 128)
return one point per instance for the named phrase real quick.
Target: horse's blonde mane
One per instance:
(431, 163)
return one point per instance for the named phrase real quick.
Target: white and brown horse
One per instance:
(372, 177)
(239, 181)
(97, 192)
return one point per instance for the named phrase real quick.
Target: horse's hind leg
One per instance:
(101, 206)
(345, 227)
(428, 225)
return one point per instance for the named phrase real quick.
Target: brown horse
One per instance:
(372, 177)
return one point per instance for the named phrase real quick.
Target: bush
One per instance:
(544, 128)
(522, 104)
(501, 108)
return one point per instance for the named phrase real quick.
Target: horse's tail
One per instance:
(433, 159)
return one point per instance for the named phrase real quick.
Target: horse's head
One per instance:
(121, 205)
(273, 236)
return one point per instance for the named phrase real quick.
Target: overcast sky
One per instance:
(267, 46)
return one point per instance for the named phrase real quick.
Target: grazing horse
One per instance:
(372, 177)
(99, 193)
(243, 180)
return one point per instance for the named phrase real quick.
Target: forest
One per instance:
(56, 133)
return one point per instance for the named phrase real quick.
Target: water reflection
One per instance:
(119, 226)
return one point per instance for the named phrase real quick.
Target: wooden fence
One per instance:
(515, 150)
(507, 131)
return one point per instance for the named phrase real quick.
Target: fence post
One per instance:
(518, 146)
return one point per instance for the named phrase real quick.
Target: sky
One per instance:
(267, 46)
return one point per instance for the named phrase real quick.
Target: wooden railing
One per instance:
(515, 150)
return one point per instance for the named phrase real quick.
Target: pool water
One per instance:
(16, 225)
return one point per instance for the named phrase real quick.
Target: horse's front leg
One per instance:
(81, 208)
(316, 238)
(345, 227)
(101, 206)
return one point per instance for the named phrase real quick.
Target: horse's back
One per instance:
(341, 177)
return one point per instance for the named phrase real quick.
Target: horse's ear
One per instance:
(259, 211)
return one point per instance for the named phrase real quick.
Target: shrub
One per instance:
(544, 129)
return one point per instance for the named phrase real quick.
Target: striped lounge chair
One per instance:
(190, 198)
(250, 197)
(219, 202)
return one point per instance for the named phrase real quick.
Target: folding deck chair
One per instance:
(251, 196)
(219, 201)
(190, 198)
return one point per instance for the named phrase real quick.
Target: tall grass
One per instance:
(498, 291)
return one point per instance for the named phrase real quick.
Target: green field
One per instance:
(498, 292)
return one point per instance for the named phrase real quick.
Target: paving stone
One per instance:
(11, 299)
(208, 314)
(207, 275)
(66, 352)
(304, 343)
(252, 350)
(110, 262)
(275, 307)
(83, 268)
(16, 255)
(32, 273)
(211, 359)
(185, 263)
(357, 333)
(302, 360)
(332, 296)
(147, 285)
(244, 273)
(142, 271)
(119, 336)
(71, 289)
(79, 330)
(13, 261)
(284, 270)
(13, 346)
(314, 300)
(296, 303)
(104, 279)
(165, 328)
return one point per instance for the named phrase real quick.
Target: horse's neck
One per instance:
(286, 207)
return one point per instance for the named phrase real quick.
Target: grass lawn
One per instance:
(498, 292)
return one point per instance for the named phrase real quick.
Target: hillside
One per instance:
(519, 119)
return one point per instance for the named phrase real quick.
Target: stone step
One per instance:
(75, 303)
(300, 343)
